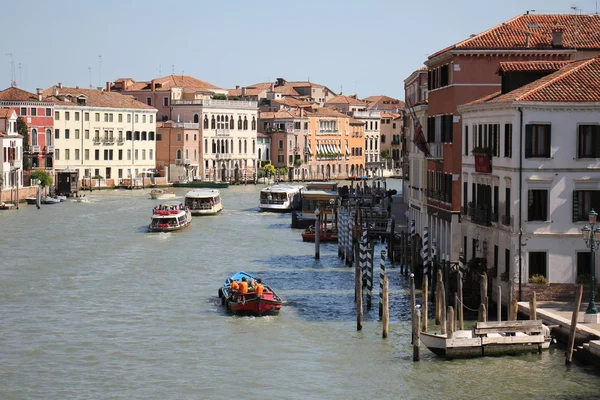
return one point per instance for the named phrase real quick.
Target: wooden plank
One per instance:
(523, 324)
(465, 342)
(487, 331)
(513, 340)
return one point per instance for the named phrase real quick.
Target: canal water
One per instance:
(94, 307)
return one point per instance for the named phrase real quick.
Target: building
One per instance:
(161, 92)
(102, 133)
(11, 158)
(390, 135)
(227, 131)
(178, 155)
(465, 72)
(263, 144)
(39, 117)
(413, 158)
(530, 172)
(301, 90)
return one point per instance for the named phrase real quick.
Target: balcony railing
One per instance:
(186, 125)
(217, 103)
(438, 195)
(480, 215)
(109, 140)
(120, 141)
(49, 149)
(222, 132)
(35, 148)
(436, 150)
(15, 163)
(97, 140)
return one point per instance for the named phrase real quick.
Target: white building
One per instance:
(228, 135)
(101, 133)
(373, 161)
(11, 143)
(531, 172)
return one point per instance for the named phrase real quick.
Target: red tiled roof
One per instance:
(390, 115)
(341, 99)
(94, 98)
(6, 112)
(292, 102)
(579, 32)
(354, 121)
(282, 114)
(578, 81)
(507, 66)
(382, 102)
(249, 92)
(167, 82)
(16, 94)
(325, 112)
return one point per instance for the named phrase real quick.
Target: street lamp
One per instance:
(591, 237)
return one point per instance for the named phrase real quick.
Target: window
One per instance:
(151, 118)
(34, 112)
(86, 134)
(105, 117)
(584, 263)
(165, 101)
(128, 118)
(97, 117)
(136, 135)
(110, 117)
(151, 154)
(67, 154)
(86, 116)
(179, 137)
(496, 257)
(149, 101)
(57, 154)
(120, 117)
(144, 119)
(466, 140)
(394, 125)
(86, 154)
(537, 141)
(76, 116)
(507, 201)
(76, 154)
(588, 143)
(76, 133)
(537, 205)
(34, 137)
(508, 140)
(67, 116)
(128, 154)
(145, 135)
(537, 263)
(144, 154)
(583, 202)
(23, 111)
(137, 154)
(57, 115)
(506, 261)
(57, 134)
(106, 154)
(67, 134)
(48, 112)
(137, 118)
(97, 154)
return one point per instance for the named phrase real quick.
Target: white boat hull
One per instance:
(208, 211)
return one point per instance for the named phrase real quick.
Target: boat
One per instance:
(50, 200)
(322, 195)
(249, 304)
(61, 198)
(31, 200)
(170, 216)
(162, 194)
(82, 199)
(325, 235)
(280, 198)
(202, 184)
(6, 206)
(490, 339)
(204, 201)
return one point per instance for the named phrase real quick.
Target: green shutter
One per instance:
(549, 145)
(528, 140)
(575, 205)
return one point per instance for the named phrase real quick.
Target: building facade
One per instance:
(11, 157)
(178, 155)
(100, 133)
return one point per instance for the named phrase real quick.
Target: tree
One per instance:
(269, 169)
(219, 96)
(385, 154)
(23, 130)
(44, 177)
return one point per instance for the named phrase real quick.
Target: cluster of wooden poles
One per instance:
(384, 311)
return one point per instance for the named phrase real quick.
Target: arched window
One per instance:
(231, 124)
(187, 154)
(240, 146)
(245, 124)
(212, 123)
(195, 155)
(254, 147)
(227, 118)
(218, 118)
(371, 125)
(49, 137)
(179, 154)
(371, 144)
(375, 144)
(239, 123)
(253, 124)
(214, 146)
(34, 138)
(259, 153)
(205, 122)
(206, 145)
(222, 146)
(245, 147)
(231, 145)
(196, 118)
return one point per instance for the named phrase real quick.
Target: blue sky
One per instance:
(366, 47)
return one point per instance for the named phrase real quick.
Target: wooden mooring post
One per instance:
(533, 307)
(461, 324)
(450, 327)
(484, 292)
(514, 309)
(358, 297)
(573, 330)
(416, 336)
(385, 317)
(438, 297)
(425, 301)
(499, 303)
(442, 308)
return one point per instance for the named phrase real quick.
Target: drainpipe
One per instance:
(520, 198)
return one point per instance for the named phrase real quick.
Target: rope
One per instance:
(463, 304)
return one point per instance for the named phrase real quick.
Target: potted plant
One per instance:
(538, 279)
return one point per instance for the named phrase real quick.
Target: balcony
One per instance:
(366, 114)
(222, 132)
(480, 215)
(109, 140)
(50, 149)
(35, 148)
(97, 140)
(249, 105)
(14, 164)
(436, 150)
(483, 160)
(328, 132)
(223, 156)
(120, 141)
(186, 125)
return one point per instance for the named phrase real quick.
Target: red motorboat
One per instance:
(326, 235)
(249, 304)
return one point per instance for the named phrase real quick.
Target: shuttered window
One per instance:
(537, 205)
(583, 202)
(588, 143)
(537, 141)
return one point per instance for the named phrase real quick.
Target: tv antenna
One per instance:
(90, 75)
(172, 69)
(20, 76)
(12, 70)
(99, 70)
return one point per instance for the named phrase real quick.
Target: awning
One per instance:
(347, 151)
(309, 150)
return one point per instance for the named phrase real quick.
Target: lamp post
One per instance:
(591, 237)
(317, 233)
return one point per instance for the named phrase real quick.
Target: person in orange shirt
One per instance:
(244, 286)
(259, 288)
(234, 285)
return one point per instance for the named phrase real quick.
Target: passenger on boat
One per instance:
(234, 285)
(259, 288)
(244, 286)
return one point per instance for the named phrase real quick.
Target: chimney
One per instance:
(243, 92)
(527, 34)
(108, 86)
(301, 112)
(60, 85)
(557, 36)
(55, 90)
(272, 88)
(39, 92)
(237, 87)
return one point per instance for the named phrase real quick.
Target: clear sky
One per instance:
(366, 47)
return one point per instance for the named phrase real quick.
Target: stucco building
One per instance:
(11, 145)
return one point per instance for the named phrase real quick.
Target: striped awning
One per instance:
(347, 151)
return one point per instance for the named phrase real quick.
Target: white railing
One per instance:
(222, 132)
(366, 114)
(35, 148)
(328, 132)
(15, 164)
(179, 161)
(50, 149)
(218, 103)
(186, 125)
(436, 150)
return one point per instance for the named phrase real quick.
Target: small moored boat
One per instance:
(280, 198)
(325, 235)
(31, 200)
(162, 194)
(6, 206)
(249, 304)
(170, 216)
(204, 201)
(50, 200)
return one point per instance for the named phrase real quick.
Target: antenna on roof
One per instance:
(12, 70)
(90, 75)
(99, 70)
(159, 70)
(528, 11)
(172, 69)
(20, 76)
(341, 89)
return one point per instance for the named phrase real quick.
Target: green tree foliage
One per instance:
(44, 177)
(219, 96)
(24, 131)
(385, 154)
(269, 169)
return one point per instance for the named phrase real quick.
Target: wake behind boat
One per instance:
(280, 198)
(204, 201)
(170, 216)
(250, 303)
